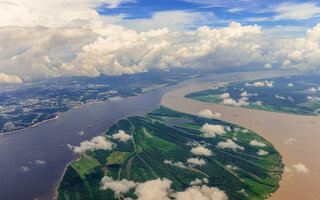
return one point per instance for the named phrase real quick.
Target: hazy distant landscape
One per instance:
(35, 102)
(295, 95)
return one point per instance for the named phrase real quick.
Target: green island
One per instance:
(294, 95)
(181, 148)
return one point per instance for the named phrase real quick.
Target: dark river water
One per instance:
(22, 178)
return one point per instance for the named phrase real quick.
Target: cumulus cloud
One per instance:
(59, 47)
(265, 83)
(256, 84)
(24, 169)
(80, 133)
(160, 189)
(225, 95)
(311, 89)
(245, 130)
(47, 39)
(241, 102)
(40, 162)
(246, 94)
(257, 143)
(208, 114)
(262, 152)
(121, 135)
(157, 189)
(199, 181)
(312, 98)
(176, 164)
(122, 186)
(210, 131)
(301, 168)
(95, 143)
(201, 193)
(9, 79)
(230, 145)
(290, 141)
(201, 151)
(268, 66)
(196, 161)
(232, 167)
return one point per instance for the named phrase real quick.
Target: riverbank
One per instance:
(294, 136)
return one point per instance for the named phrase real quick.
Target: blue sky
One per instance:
(284, 16)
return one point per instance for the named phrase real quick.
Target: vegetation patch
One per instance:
(179, 151)
(294, 95)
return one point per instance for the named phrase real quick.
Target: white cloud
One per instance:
(176, 164)
(229, 144)
(296, 11)
(9, 79)
(232, 167)
(201, 193)
(201, 151)
(268, 66)
(290, 84)
(290, 141)
(262, 152)
(261, 84)
(196, 161)
(225, 95)
(256, 84)
(245, 130)
(234, 10)
(279, 97)
(122, 186)
(208, 114)
(210, 131)
(95, 143)
(244, 94)
(157, 189)
(312, 89)
(183, 20)
(121, 135)
(40, 162)
(61, 48)
(243, 191)
(287, 169)
(80, 133)
(257, 143)
(160, 189)
(48, 39)
(116, 3)
(301, 168)
(312, 98)
(241, 102)
(24, 169)
(199, 181)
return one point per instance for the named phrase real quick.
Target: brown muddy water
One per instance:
(296, 137)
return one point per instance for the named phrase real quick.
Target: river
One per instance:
(32, 160)
(296, 137)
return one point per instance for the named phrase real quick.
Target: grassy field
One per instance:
(295, 95)
(164, 140)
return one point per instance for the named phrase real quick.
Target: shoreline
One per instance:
(277, 128)
(61, 177)
(63, 113)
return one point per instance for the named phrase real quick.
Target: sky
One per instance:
(47, 39)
